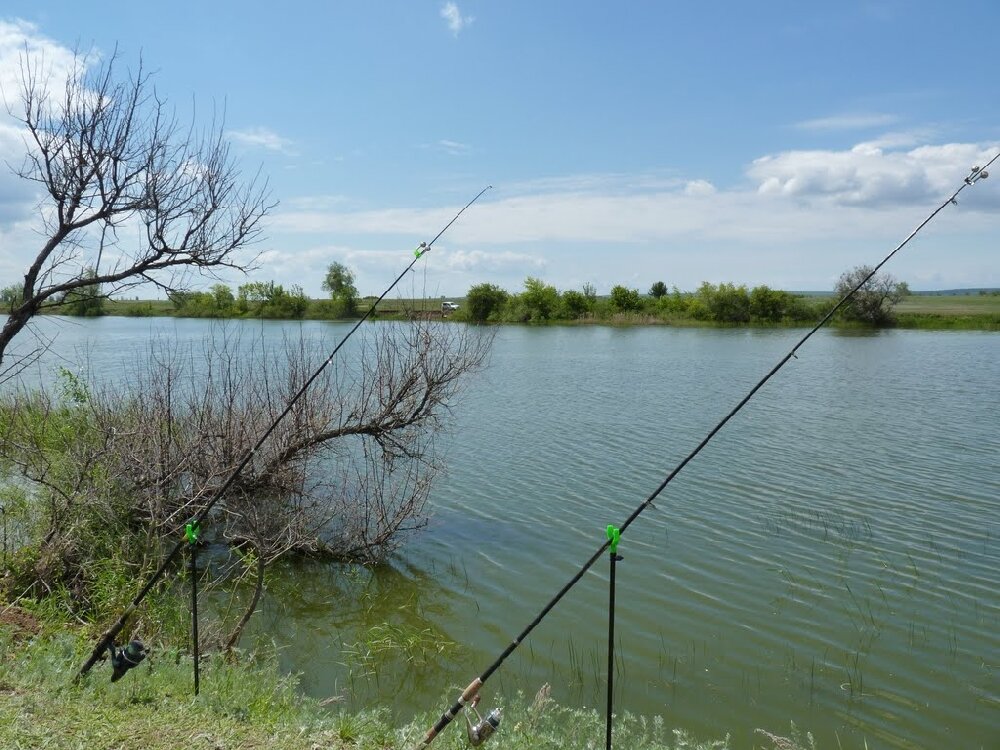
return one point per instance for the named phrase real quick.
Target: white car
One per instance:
(448, 307)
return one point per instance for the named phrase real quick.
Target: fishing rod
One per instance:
(107, 640)
(471, 693)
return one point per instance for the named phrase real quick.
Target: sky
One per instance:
(776, 143)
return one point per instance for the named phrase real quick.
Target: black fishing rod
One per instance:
(107, 640)
(471, 693)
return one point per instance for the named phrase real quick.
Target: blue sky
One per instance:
(770, 143)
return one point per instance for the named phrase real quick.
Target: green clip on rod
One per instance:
(614, 535)
(191, 532)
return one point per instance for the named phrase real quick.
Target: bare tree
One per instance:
(126, 191)
(118, 469)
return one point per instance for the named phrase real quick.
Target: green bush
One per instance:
(260, 299)
(575, 305)
(625, 300)
(539, 301)
(85, 301)
(483, 302)
(725, 303)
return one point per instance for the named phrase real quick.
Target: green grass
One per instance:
(241, 705)
(976, 312)
(248, 705)
(950, 304)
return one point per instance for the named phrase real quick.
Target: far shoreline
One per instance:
(920, 311)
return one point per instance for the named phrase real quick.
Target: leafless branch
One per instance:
(114, 162)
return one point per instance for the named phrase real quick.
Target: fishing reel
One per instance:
(483, 729)
(123, 659)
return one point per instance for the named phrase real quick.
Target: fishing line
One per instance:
(471, 692)
(107, 639)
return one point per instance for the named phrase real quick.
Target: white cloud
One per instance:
(856, 121)
(699, 187)
(17, 37)
(454, 147)
(867, 175)
(52, 62)
(792, 195)
(261, 137)
(797, 221)
(484, 261)
(454, 18)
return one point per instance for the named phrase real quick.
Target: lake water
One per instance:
(832, 558)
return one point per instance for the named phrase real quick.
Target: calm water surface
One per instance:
(832, 558)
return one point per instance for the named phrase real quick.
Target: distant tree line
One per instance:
(266, 299)
(714, 303)
(724, 303)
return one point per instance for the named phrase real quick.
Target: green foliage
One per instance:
(873, 303)
(72, 388)
(242, 704)
(265, 299)
(674, 304)
(538, 303)
(625, 300)
(484, 301)
(192, 304)
(725, 303)
(84, 301)
(773, 306)
(223, 297)
(543, 724)
(659, 289)
(218, 303)
(575, 305)
(339, 282)
(417, 647)
(60, 441)
(11, 296)
(248, 704)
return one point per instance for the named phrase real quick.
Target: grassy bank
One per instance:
(979, 312)
(315, 309)
(247, 705)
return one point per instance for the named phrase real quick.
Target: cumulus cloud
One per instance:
(17, 196)
(454, 18)
(867, 175)
(18, 37)
(797, 218)
(53, 61)
(261, 137)
(790, 196)
(699, 187)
